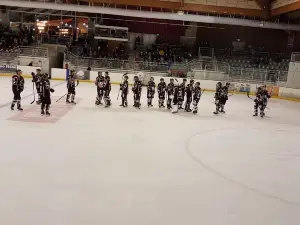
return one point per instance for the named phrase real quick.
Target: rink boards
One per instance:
(208, 85)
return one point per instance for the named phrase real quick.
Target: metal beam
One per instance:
(152, 15)
(181, 5)
(285, 9)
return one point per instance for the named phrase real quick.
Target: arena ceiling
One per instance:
(266, 9)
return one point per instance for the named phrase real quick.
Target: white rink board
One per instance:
(205, 84)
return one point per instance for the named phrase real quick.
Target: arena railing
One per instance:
(255, 75)
(295, 57)
(55, 39)
(235, 73)
(33, 52)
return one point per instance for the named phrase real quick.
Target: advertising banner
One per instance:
(8, 68)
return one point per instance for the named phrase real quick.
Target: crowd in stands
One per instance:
(11, 39)
(164, 53)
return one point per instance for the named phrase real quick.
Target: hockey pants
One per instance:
(188, 103)
(261, 106)
(71, 93)
(124, 99)
(99, 97)
(137, 99)
(107, 98)
(16, 99)
(161, 99)
(150, 96)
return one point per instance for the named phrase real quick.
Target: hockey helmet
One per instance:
(227, 84)
(99, 73)
(19, 72)
(135, 78)
(162, 79)
(126, 77)
(192, 81)
(38, 70)
(197, 83)
(151, 78)
(106, 73)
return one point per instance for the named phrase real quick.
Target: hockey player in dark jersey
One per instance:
(170, 93)
(71, 85)
(124, 91)
(100, 84)
(45, 94)
(177, 98)
(223, 96)
(37, 78)
(107, 89)
(137, 90)
(181, 93)
(261, 101)
(196, 97)
(189, 95)
(17, 88)
(218, 97)
(161, 90)
(150, 91)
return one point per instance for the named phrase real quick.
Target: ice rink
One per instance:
(91, 165)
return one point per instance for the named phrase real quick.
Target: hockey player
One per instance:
(181, 93)
(170, 93)
(124, 91)
(196, 97)
(178, 96)
(37, 78)
(107, 89)
(224, 96)
(150, 91)
(261, 101)
(218, 97)
(189, 95)
(100, 84)
(137, 90)
(161, 90)
(17, 88)
(71, 87)
(45, 94)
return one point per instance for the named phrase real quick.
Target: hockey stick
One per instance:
(121, 81)
(33, 93)
(61, 97)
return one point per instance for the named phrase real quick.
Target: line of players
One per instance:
(173, 92)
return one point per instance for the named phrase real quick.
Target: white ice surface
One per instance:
(117, 166)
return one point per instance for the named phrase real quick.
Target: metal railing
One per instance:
(295, 57)
(33, 52)
(237, 74)
(55, 39)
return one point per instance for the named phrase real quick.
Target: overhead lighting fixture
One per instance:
(180, 12)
